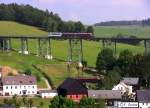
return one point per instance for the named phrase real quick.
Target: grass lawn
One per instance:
(57, 72)
(45, 102)
(36, 102)
(109, 31)
(9, 28)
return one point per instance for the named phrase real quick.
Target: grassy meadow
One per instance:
(109, 31)
(9, 28)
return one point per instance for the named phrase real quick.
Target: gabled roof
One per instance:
(130, 81)
(105, 94)
(143, 95)
(118, 85)
(47, 91)
(73, 86)
(88, 80)
(6, 106)
(19, 80)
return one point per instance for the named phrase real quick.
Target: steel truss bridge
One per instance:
(75, 52)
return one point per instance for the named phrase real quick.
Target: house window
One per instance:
(32, 86)
(32, 91)
(15, 87)
(28, 92)
(11, 87)
(6, 87)
(121, 88)
(28, 86)
(77, 96)
(24, 86)
(20, 92)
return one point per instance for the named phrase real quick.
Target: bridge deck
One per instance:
(71, 37)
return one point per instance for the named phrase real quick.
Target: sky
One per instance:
(92, 11)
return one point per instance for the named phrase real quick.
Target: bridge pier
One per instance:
(6, 44)
(44, 48)
(75, 52)
(24, 46)
(103, 44)
(115, 47)
(110, 43)
(146, 47)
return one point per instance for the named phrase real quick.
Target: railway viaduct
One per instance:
(74, 43)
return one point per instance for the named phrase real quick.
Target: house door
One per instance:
(24, 92)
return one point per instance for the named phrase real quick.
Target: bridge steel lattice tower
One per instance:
(24, 46)
(146, 47)
(75, 53)
(44, 48)
(6, 44)
(112, 44)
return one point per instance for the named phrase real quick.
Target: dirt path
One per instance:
(47, 83)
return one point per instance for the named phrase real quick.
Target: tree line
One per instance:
(126, 64)
(118, 23)
(126, 39)
(45, 20)
(144, 22)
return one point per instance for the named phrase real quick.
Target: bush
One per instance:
(27, 72)
(87, 103)
(62, 102)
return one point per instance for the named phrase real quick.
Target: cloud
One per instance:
(66, 2)
(47, 1)
(74, 17)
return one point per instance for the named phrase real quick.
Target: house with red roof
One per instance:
(72, 89)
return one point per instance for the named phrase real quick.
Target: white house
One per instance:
(127, 85)
(123, 88)
(19, 85)
(143, 97)
(48, 93)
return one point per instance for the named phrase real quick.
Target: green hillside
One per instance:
(109, 31)
(9, 28)
(59, 51)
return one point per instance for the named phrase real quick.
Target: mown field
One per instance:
(56, 70)
(109, 31)
(9, 28)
